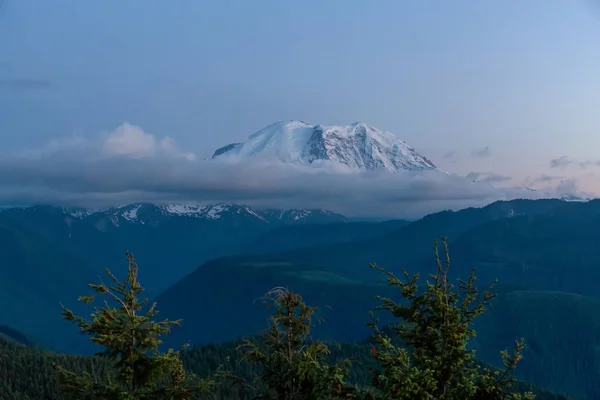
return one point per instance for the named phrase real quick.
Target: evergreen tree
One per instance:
(435, 327)
(131, 338)
(292, 366)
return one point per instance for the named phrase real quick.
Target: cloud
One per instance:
(570, 188)
(561, 162)
(131, 141)
(589, 163)
(567, 186)
(130, 165)
(488, 177)
(546, 178)
(126, 142)
(564, 161)
(542, 179)
(560, 185)
(482, 153)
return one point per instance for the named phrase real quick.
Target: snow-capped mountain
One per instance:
(358, 146)
(153, 214)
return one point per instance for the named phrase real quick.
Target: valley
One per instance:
(213, 271)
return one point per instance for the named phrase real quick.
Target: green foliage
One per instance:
(27, 373)
(426, 358)
(435, 328)
(131, 338)
(292, 366)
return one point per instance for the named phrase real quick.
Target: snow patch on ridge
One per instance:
(131, 213)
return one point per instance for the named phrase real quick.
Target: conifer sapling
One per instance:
(435, 327)
(130, 337)
(293, 366)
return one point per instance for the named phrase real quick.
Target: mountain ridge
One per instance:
(134, 212)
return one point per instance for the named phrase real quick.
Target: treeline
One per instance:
(424, 356)
(27, 373)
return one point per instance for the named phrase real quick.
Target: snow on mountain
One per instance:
(154, 214)
(130, 214)
(357, 146)
(183, 209)
(80, 212)
(210, 212)
(76, 212)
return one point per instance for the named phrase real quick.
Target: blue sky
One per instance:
(451, 78)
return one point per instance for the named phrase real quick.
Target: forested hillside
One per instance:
(29, 373)
(422, 355)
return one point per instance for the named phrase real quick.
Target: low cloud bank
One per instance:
(129, 165)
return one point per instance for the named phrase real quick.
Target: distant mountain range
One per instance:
(154, 214)
(47, 254)
(213, 271)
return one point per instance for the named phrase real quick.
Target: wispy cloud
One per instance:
(589, 163)
(544, 178)
(482, 153)
(565, 161)
(130, 165)
(561, 162)
(488, 177)
(559, 184)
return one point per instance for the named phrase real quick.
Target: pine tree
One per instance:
(293, 367)
(436, 325)
(131, 337)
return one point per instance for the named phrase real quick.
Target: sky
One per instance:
(505, 92)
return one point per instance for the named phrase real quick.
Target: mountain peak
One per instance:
(358, 146)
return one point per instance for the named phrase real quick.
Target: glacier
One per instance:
(357, 146)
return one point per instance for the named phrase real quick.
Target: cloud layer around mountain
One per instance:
(130, 165)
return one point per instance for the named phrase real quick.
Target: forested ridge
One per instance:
(28, 373)
(422, 356)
